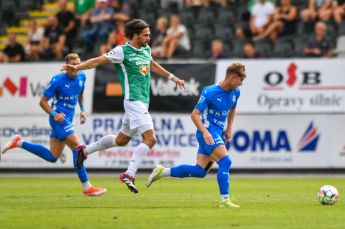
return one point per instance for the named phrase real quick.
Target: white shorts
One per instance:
(136, 118)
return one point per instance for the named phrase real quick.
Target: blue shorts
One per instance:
(205, 148)
(60, 130)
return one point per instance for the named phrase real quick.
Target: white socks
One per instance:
(103, 143)
(166, 172)
(138, 155)
(224, 197)
(86, 185)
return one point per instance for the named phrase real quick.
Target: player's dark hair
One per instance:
(71, 56)
(236, 68)
(135, 26)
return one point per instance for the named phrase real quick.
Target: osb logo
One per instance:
(144, 70)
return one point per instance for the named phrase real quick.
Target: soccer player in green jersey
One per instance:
(133, 62)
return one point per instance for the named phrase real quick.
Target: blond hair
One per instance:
(236, 68)
(71, 56)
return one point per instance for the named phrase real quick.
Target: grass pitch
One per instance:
(56, 202)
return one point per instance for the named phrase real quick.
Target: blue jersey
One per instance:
(65, 93)
(215, 104)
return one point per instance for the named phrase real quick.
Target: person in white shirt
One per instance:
(261, 16)
(176, 39)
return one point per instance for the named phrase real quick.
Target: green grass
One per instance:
(56, 202)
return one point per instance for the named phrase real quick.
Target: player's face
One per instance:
(144, 37)
(236, 81)
(74, 62)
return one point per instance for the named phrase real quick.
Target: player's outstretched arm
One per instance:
(159, 70)
(88, 64)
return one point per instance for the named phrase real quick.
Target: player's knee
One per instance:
(151, 141)
(225, 162)
(200, 172)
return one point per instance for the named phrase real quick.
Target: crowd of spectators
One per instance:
(211, 29)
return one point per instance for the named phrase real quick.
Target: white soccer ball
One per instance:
(328, 195)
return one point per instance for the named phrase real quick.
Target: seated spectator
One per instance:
(115, 38)
(177, 38)
(249, 51)
(68, 22)
(122, 10)
(193, 3)
(284, 22)
(217, 50)
(35, 35)
(53, 43)
(321, 9)
(83, 10)
(161, 28)
(319, 44)
(101, 21)
(261, 16)
(339, 11)
(13, 52)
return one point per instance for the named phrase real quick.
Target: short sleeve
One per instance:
(115, 55)
(203, 101)
(50, 91)
(237, 94)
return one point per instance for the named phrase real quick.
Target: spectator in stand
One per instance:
(53, 43)
(193, 3)
(161, 32)
(319, 44)
(67, 21)
(321, 9)
(217, 50)
(261, 15)
(177, 38)
(122, 10)
(35, 35)
(115, 38)
(13, 52)
(249, 51)
(101, 21)
(285, 19)
(338, 11)
(83, 10)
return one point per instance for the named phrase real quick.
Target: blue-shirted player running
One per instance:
(217, 104)
(66, 90)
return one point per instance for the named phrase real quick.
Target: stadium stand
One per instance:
(204, 23)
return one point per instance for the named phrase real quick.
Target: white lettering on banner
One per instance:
(289, 86)
(168, 88)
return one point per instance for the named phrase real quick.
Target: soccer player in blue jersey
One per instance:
(217, 104)
(66, 90)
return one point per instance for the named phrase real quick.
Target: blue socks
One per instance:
(39, 150)
(81, 172)
(188, 171)
(223, 174)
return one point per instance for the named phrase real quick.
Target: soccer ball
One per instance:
(328, 195)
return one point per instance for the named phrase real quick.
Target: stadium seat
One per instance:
(282, 48)
(206, 16)
(237, 47)
(225, 16)
(299, 44)
(202, 33)
(305, 27)
(223, 32)
(341, 29)
(340, 47)
(263, 47)
(199, 49)
(187, 17)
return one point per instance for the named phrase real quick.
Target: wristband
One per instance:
(82, 108)
(171, 76)
(52, 113)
